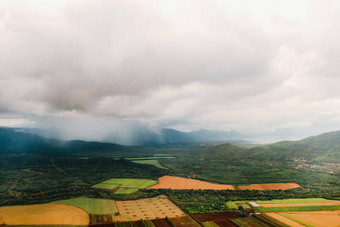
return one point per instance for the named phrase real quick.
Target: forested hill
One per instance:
(13, 141)
(322, 148)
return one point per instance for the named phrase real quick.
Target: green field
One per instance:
(153, 162)
(128, 185)
(106, 186)
(126, 191)
(300, 208)
(278, 201)
(92, 206)
(296, 220)
(130, 182)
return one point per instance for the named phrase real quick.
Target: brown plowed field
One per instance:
(185, 221)
(319, 218)
(284, 220)
(171, 182)
(273, 186)
(330, 203)
(220, 219)
(146, 209)
(161, 223)
(44, 214)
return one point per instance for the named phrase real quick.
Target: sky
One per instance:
(92, 67)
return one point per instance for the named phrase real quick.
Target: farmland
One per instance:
(298, 208)
(184, 221)
(153, 162)
(272, 186)
(220, 219)
(290, 201)
(248, 221)
(184, 183)
(147, 209)
(125, 185)
(93, 206)
(44, 214)
(315, 218)
(309, 204)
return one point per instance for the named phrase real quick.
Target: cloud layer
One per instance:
(182, 64)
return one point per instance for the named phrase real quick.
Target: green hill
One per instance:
(322, 148)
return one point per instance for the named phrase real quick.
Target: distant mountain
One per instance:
(213, 135)
(325, 147)
(14, 141)
(147, 137)
(322, 148)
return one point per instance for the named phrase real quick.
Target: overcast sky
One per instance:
(253, 66)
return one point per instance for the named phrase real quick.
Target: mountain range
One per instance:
(322, 148)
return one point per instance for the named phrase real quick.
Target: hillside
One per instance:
(13, 141)
(322, 148)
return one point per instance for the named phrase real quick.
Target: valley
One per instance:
(204, 186)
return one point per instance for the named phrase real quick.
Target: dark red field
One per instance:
(219, 219)
(161, 223)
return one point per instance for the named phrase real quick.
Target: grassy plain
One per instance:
(126, 191)
(153, 162)
(128, 183)
(92, 206)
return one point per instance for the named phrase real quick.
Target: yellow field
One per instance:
(146, 209)
(270, 186)
(319, 218)
(313, 218)
(43, 214)
(284, 220)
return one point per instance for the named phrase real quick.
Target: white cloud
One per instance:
(251, 66)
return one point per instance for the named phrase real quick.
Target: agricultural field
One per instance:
(44, 214)
(309, 204)
(125, 185)
(248, 221)
(184, 221)
(290, 201)
(298, 208)
(153, 162)
(220, 219)
(310, 219)
(126, 191)
(92, 206)
(171, 182)
(146, 209)
(271, 186)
